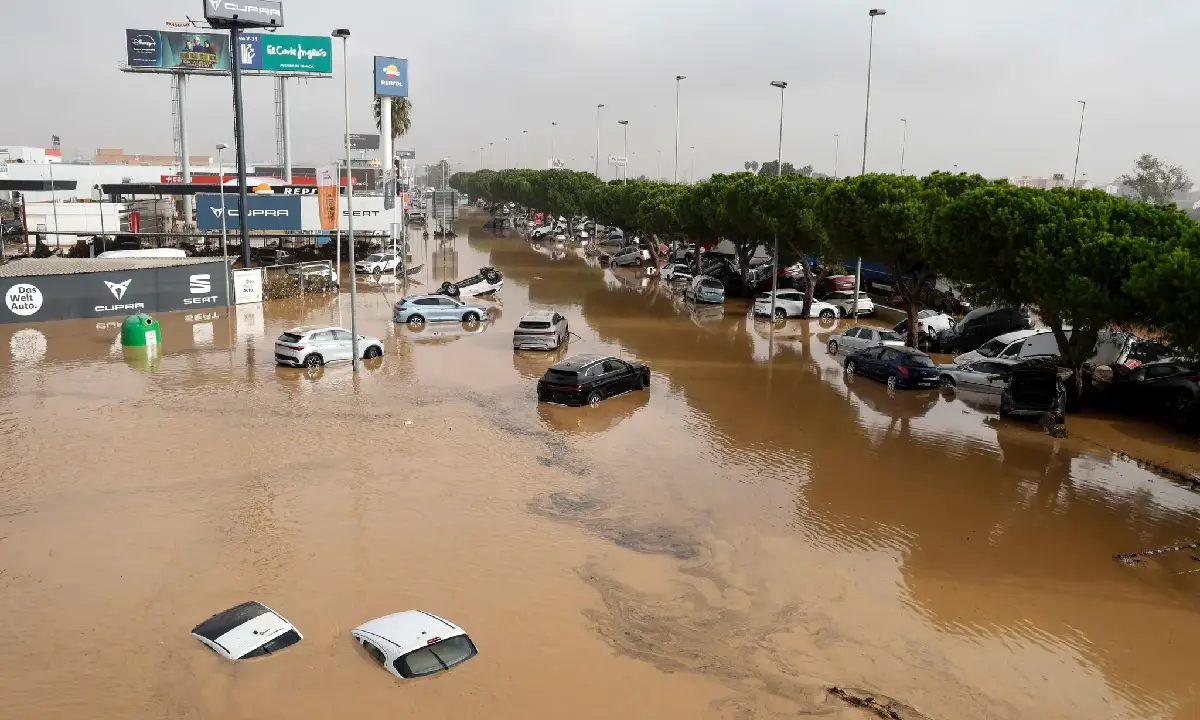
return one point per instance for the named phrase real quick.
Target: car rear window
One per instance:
(562, 377)
(436, 657)
(290, 337)
(533, 325)
(920, 361)
(287, 639)
(711, 284)
(889, 335)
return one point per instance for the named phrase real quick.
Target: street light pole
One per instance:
(779, 175)
(837, 145)
(505, 153)
(525, 148)
(692, 175)
(678, 79)
(625, 151)
(903, 145)
(344, 34)
(1079, 142)
(491, 153)
(224, 232)
(876, 12)
(552, 126)
(598, 138)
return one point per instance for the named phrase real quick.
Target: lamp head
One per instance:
(779, 84)
(222, 146)
(681, 77)
(341, 33)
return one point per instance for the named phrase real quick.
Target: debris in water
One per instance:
(408, 422)
(1137, 556)
(882, 705)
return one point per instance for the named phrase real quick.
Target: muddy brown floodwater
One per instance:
(748, 533)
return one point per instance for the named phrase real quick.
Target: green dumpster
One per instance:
(140, 330)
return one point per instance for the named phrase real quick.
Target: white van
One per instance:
(150, 253)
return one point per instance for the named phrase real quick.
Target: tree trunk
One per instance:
(808, 285)
(910, 290)
(654, 256)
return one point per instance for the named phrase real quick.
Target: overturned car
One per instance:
(488, 281)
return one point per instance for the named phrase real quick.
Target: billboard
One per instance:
(361, 141)
(284, 54)
(391, 76)
(369, 214)
(194, 286)
(247, 13)
(177, 51)
(266, 212)
(406, 154)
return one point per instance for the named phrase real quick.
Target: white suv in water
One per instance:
(312, 347)
(377, 263)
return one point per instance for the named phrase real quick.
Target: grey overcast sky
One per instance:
(990, 86)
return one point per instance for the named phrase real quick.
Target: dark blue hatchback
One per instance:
(899, 367)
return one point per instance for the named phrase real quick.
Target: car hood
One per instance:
(967, 358)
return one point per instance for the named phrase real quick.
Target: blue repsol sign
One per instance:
(265, 212)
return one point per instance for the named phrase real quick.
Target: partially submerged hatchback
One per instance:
(247, 631)
(540, 330)
(415, 643)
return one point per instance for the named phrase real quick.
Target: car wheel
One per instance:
(372, 352)
(947, 381)
(832, 347)
(841, 313)
(376, 274)
(780, 314)
(415, 321)
(826, 314)
(314, 361)
(471, 317)
(594, 398)
(891, 382)
(850, 367)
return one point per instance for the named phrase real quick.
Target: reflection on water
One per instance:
(754, 520)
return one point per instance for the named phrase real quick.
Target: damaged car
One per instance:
(415, 643)
(247, 631)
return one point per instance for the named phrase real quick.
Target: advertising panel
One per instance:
(38, 298)
(177, 51)
(391, 76)
(246, 13)
(364, 141)
(406, 154)
(327, 196)
(266, 212)
(369, 215)
(248, 286)
(285, 54)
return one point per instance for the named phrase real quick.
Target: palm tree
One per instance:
(401, 116)
(751, 166)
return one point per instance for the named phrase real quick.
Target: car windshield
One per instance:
(886, 335)
(763, 296)
(534, 325)
(562, 377)
(436, 657)
(927, 314)
(374, 258)
(992, 347)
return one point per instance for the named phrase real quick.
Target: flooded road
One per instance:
(747, 533)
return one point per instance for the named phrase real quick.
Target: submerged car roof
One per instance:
(242, 629)
(537, 315)
(578, 362)
(410, 630)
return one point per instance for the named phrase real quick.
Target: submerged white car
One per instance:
(415, 643)
(313, 347)
(790, 303)
(247, 631)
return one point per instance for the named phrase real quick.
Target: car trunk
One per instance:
(529, 327)
(1034, 387)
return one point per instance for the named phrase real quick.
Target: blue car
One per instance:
(899, 367)
(705, 289)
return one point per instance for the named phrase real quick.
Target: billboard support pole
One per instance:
(185, 164)
(286, 129)
(239, 138)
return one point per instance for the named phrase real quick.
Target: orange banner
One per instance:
(327, 196)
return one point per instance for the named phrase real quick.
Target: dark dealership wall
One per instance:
(89, 295)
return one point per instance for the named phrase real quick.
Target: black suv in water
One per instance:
(979, 326)
(588, 379)
(1035, 387)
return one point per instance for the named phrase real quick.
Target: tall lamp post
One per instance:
(491, 153)
(598, 107)
(625, 151)
(678, 80)
(344, 34)
(224, 232)
(552, 126)
(903, 144)
(875, 12)
(837, 145)
(525, 148)
(692, 175)
(1079, 142)
(506, 153)
(778, 174)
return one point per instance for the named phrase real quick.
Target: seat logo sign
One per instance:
(118, 290)
(200, 285)
(23, 299)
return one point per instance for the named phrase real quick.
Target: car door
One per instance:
(869, 337)
(884, 358)
(617, 378)
(974, 376)
(342, 343)
(793, 304)
(869, 361)
(449, 309)
(852, 341)
(1158, 386)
